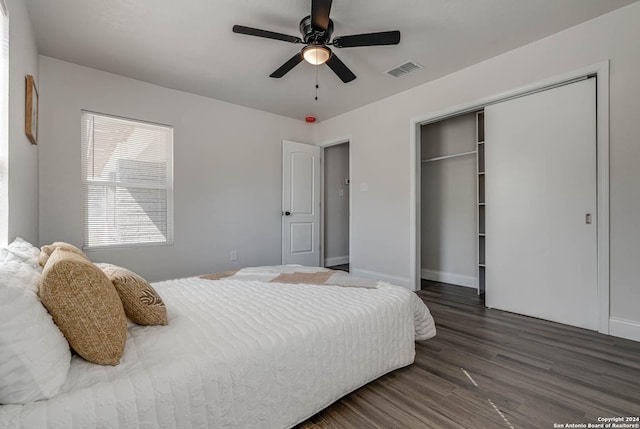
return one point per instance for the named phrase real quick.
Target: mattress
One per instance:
(239, 352)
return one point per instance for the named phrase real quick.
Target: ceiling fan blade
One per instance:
(340, 69)
(286, 67)
(320, 14)
(266, 34)
(368, 39)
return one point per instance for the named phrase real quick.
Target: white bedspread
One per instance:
(239, 354)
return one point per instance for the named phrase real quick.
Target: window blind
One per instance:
(127, 170)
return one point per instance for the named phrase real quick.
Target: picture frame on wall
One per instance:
(31, 110)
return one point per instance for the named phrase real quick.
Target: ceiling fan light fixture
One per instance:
(316, 55)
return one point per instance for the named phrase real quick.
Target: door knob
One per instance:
(287, 213)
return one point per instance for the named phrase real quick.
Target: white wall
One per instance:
(449, 202)
(23, 156)
(336, 204)
(227, 170)
(380, 145)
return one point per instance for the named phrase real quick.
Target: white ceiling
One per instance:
(188, 45)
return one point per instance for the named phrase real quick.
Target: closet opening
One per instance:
(452, 201)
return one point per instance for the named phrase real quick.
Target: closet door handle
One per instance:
(587, 219)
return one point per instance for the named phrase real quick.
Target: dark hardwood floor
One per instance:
(493, 369)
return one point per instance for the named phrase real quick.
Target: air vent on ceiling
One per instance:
(404, 69)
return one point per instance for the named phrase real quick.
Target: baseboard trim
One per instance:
(454, 279)
(338, 260)
(395, 280)
(623, 328)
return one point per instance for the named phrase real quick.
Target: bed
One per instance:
(259, 348)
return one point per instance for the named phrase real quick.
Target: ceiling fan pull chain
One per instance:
(317, 86)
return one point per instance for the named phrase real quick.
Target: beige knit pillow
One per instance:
(141, 302)
(46, 251)
(85, 306)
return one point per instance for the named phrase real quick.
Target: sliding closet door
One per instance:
(540, 160)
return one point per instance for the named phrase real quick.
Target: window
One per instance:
(4, 123)
(127, 169)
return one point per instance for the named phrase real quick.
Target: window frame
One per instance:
(168, 186)
(4, 123)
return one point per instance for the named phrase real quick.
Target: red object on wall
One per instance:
(310, 119)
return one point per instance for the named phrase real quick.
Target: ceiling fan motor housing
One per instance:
(315, 36)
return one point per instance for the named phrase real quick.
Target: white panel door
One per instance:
(540, 160)
(300, 204)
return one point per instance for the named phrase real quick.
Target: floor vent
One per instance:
(404, 69)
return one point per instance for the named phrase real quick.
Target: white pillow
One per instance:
(34, 355)
(20, 250)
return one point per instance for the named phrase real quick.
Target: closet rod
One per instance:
(449, 156)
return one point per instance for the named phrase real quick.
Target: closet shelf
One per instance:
(438, 158)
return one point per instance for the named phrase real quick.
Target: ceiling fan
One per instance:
(316, 31)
